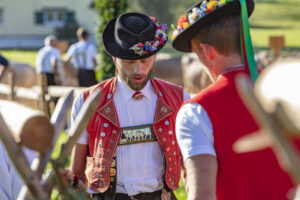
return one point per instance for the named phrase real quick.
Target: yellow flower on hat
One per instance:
(185, 25)
(211, 5)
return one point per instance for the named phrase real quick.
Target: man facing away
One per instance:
(83, 54)
(47, 59)
(208, 125)
(129, 150)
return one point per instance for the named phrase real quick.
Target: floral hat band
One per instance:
(195, 14)
(160, 39)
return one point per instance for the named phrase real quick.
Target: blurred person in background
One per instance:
(47, 60)
(83, 56)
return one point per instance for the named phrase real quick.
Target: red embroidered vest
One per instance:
(247, 176)
(104, 133)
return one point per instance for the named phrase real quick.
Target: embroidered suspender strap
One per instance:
(111, 192)
(248, 52)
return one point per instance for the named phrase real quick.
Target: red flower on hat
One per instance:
(153, 18)
(140, 44)
(181, 20)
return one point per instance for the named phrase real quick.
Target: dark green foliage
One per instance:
(107, 10)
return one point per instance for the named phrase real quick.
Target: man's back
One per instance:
(248, 176)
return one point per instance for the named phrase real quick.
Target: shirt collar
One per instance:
(127, 93)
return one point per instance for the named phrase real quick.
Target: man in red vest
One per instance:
(129, 149)
(208, 125)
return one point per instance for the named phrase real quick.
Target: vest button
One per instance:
(109, 96)
(167, 122)
(173, 142)
(170, 132)
(102, 134)
(160, 129)
(105, 125)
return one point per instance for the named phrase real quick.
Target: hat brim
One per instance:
(113, 49)
(182, 41)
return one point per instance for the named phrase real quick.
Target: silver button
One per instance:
(167, 122)
(109, 96)
(100, 145)
(170, 132)
(97, 175)
(160, 94)
(160, 129)
(105, 125)
(102, 134)
(173, 142)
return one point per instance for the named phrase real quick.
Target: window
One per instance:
(54, 17)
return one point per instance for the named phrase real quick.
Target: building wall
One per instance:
(19, 19)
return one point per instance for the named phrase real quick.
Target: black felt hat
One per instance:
(182, 41)
(127, 30)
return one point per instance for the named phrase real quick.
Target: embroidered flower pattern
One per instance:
(161, 38)
(186, 20)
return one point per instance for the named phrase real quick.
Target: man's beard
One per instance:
(131, 84)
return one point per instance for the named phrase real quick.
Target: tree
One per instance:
(107, 10)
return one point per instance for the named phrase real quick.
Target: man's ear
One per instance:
(114, 59)
(208, 51)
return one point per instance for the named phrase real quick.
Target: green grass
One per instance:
(275, 18)
(26, 56)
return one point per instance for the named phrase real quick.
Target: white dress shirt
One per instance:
(140, 167)
(45, 57)
(10, 181)
(194, 131)
(82, 54)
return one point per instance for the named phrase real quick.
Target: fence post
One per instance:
(44, 104)
(11, 81)
(276, 43)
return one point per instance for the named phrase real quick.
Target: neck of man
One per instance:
(221, 63)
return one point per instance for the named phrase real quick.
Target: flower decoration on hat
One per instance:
(160, 39)
(197, 13)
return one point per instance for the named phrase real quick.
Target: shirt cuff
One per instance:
(197, 151)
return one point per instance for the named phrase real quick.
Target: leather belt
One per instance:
(142, 196)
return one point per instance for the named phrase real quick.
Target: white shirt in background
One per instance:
(140, 166)
(82, 54)
(10, 181)
(45, 58)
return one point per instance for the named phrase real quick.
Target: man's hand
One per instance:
(78, 160)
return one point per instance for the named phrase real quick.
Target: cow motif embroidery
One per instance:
(137, 134)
